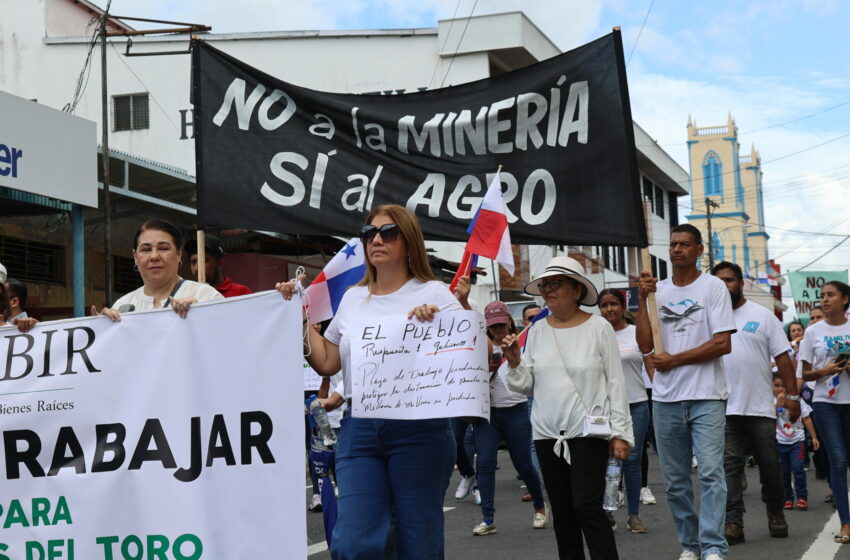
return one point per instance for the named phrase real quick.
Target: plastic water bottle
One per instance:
(611, 499)
(320, 415)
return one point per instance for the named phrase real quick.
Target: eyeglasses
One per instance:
(546, 285)
(389, 233)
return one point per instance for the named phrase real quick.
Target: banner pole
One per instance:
(202, 257)
(646, 264)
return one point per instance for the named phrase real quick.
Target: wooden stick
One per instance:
(202, 257)
(646, 264)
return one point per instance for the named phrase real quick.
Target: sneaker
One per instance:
(788, 505)
(611, 520)
(777, 526)
(540, 519)
(734, 534)
(688, 555)
(476, 495)
(713, 556)
(635, 525)
(484, 528)
(646, 497)
(316, 504)
(464, 487)
(527, 497)
(803, 504)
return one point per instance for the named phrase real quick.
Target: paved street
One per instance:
(516, 539)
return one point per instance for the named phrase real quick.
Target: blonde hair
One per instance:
(410, 230)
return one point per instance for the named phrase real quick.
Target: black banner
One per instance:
(279, 157)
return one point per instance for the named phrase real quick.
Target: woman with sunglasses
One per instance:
(824, 353)
(612, 305)
(387, 468)
(571, 365)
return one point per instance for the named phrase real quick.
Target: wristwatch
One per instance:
(792, 398)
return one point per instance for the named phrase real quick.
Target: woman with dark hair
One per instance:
(386, 467)
(157, 252)
(824, 353)
(572, 366)
(509, 422)
(612, 305)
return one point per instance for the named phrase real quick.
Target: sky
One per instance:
(781, 67)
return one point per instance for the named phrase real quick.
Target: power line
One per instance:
(448, 33)
(457, 49)
(150, 93)
(834, 247)
(646, 17)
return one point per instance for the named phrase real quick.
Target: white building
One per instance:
(151, 120)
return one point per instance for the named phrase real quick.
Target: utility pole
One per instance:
(709, 205)
(107, 207)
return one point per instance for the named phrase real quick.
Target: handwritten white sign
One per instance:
(312, 380)
(411, 370)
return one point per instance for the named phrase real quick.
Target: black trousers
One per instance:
(575, 495)
(757, 433)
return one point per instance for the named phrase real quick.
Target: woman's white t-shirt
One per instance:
(815, 349)
(357, 303)
(632, 359)
(188, 289)
(500, 395)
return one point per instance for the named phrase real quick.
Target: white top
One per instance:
(690, 316)
(189, 289)
(787, 435)
(632, 360)
(758, 340)
(335, 415)
(357, 303)
(593, 368)
(819, 347)
(500, 395)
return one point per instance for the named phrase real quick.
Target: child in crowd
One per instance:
(791, 441)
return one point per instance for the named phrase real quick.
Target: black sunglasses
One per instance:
(389, 233)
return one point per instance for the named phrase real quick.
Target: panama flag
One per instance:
(488, 233)
(522, 339)
(325, 292)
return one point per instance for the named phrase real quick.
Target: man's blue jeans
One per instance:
(680, 427)
(512, 425)
(631, 466)
(386, 468)
(833, 424)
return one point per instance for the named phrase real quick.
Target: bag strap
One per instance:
(173, 292)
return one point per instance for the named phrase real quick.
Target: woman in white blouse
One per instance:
(571, 366)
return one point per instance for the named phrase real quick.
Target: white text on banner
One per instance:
(408, 369)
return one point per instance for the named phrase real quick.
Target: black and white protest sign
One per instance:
(407, 369)
(275, 156)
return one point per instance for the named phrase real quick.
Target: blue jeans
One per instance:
(512, 425)
(386, 468)
(834, 426)
(632, 465)
(791, 458)
(679, 426)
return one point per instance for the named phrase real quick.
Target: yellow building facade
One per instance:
(727, 186)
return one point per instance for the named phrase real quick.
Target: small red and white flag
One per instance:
(488, 233)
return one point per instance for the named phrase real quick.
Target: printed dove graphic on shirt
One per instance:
(669, 314)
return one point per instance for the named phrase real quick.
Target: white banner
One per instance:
(155, 437)
(407, 369)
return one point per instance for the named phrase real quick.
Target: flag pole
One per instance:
(493, 261)
(202, 257)
(646, 264)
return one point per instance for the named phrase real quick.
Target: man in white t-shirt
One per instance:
(689, 390)
(750, 413)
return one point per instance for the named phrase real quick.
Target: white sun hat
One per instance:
(571, 268)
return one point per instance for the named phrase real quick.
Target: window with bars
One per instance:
(130, 112)
(31, 261)
(125, 279)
